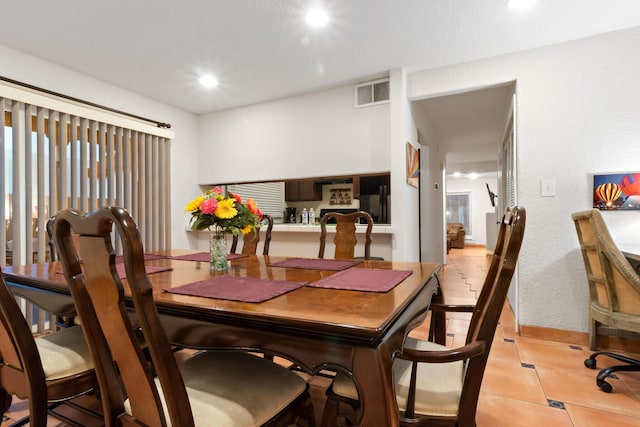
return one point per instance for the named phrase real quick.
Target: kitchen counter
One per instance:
(304, 240)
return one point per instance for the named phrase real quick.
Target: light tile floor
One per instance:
(528, 382)
(533, 382)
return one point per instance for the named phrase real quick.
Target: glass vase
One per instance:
(218, 251)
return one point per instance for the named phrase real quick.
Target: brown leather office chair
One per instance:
(47, 370)
(345, 239)
(220, 388)
(436, 385)
(614, 291)
(250, 241)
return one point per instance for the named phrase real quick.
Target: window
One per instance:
(459, 210)
(52, 160)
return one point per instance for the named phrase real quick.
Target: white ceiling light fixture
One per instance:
(208, 81)
(520, 4)
(317, 18)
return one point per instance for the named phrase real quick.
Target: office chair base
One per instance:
(632, 365)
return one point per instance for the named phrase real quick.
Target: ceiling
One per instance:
(262, 50)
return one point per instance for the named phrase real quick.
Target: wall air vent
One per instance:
(372, 93)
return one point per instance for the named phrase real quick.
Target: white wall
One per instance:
(577, 114)
(28, 69)
(480, 203)
(311, 135)
(405, 216)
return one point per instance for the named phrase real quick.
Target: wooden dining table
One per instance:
(319, 329)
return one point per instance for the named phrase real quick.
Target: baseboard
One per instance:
(630, 345)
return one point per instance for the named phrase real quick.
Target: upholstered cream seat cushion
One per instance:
(438, 384)
(235, 389)
(64, 353)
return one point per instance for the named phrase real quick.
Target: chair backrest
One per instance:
(619, 274)
(250, 240)
(21, 371)
(99, 296)
(488, 309)
(614, 286)
(345, 239)
(599, 292)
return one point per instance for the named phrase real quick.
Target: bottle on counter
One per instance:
(305, 216)
(312, 217)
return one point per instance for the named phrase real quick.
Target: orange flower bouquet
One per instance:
(222, 213)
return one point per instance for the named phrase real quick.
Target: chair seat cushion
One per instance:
(439, 385)
(235, 389)
(64, 353)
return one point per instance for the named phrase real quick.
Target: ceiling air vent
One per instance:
(372, 93)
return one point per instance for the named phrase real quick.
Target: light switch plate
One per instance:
(548, 187)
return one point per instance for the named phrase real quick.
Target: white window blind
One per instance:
(76, 157)
(268, 195)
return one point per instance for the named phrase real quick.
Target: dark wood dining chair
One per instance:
(436, 385)
(222, 388)
(250, 240)
(345, 238)
(47, 370)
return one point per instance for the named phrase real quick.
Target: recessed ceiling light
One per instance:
(519, 4)
(317, 18)
(208, 81)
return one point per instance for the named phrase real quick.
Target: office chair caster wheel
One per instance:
(605, 386)
(590, 363)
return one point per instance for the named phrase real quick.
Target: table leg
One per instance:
(372, 370)
(438, 324)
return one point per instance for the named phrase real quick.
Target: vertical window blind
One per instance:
(508, 170)
(55, 155)
(269, 197)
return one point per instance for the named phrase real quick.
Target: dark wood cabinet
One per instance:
(301, 190)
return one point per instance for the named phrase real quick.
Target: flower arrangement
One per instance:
(223, 212)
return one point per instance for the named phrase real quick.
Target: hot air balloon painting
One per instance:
(608, 193)
(616, 191)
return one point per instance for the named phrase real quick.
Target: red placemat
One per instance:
(244, 289)
(205, 257)
(317, 263)
(363, 279)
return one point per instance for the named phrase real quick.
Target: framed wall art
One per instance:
(616, 191)
(413, 165)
